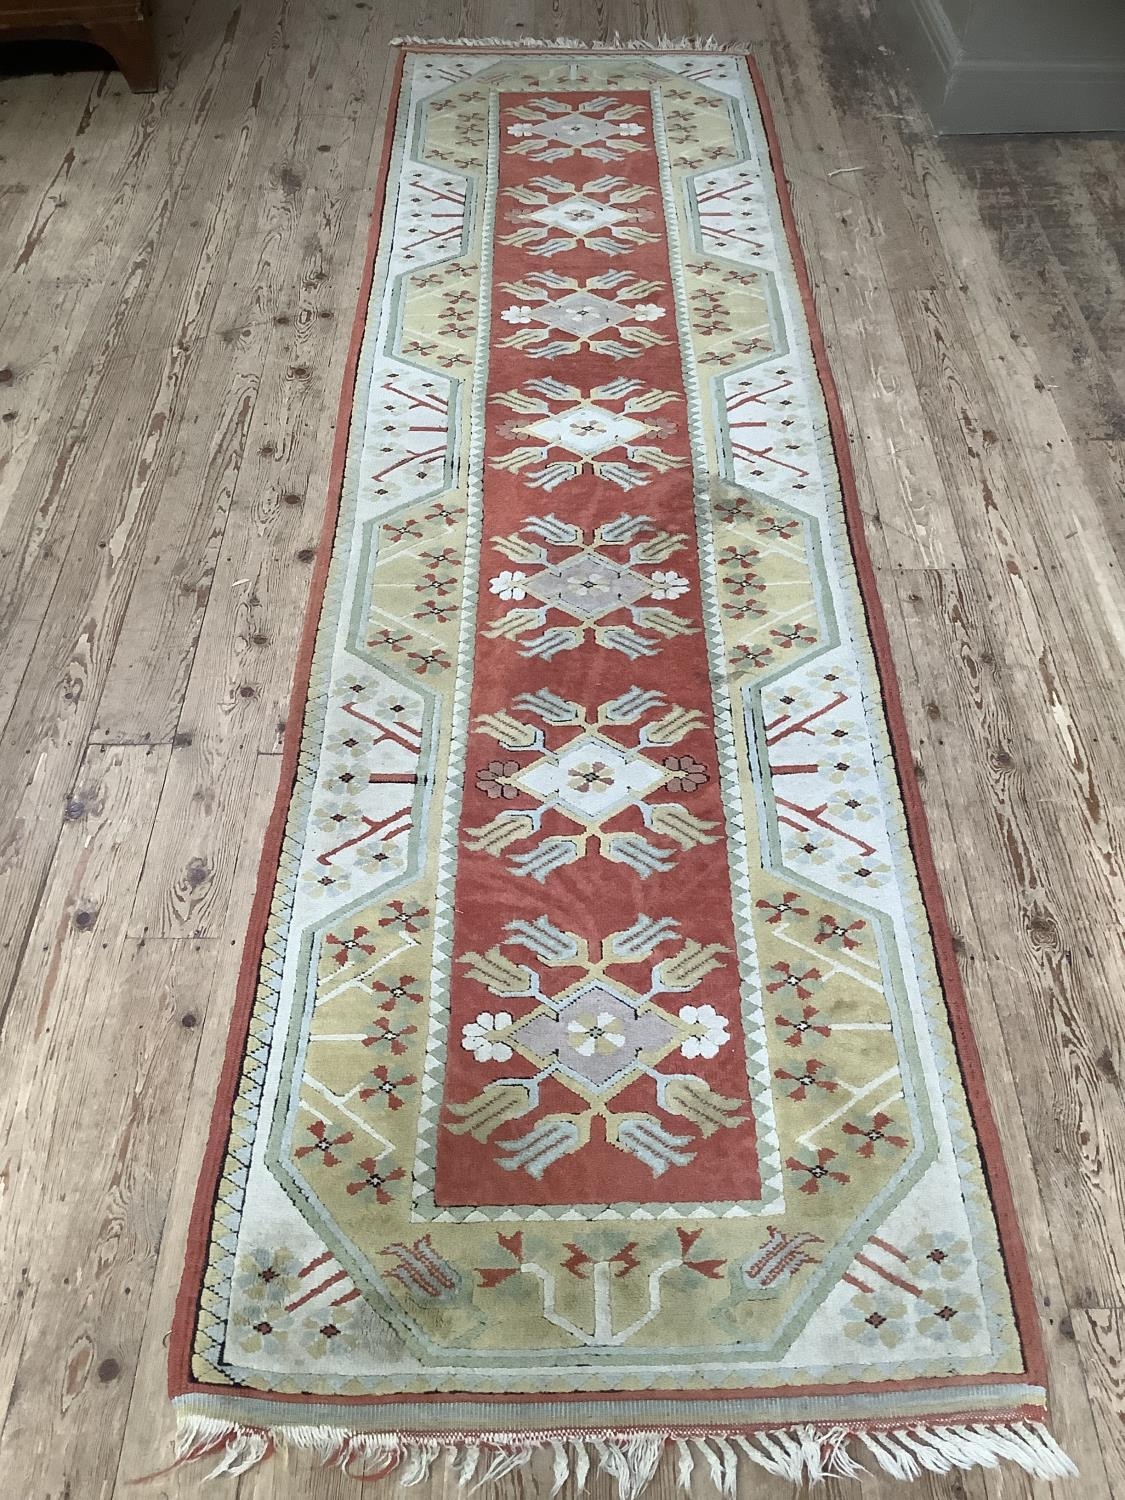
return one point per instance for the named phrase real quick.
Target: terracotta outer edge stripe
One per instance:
(180, 1380)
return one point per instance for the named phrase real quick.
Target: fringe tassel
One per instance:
(573, 44)
(465, 1463)
(803, 1455)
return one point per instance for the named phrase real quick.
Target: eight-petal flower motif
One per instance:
(647, 312)
(668, 585)
(590, 1034)
(949, 1316)
(687, 774)
(482, 1036)
(322, 1335)
(873, 1320)
(508, 585)
(267, 1275)
(590, 775)
(254, 1331)
(517, 315)
(494, 779)
(939, 1254)
(711, 1033)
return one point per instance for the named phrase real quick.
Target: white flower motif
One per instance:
(647, 312)
(630, 130)
(593, 581)
(517, 314)
(713, 1035)
(508, 585)
(519, 130)
(480, 1037)
(601, 1033)
(668, 585)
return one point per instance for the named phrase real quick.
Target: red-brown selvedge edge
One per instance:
(180, 1380)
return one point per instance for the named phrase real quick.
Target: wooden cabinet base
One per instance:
(122, 29)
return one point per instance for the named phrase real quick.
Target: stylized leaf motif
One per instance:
(540, 108)
(506, 828)
(553, 1137)
(555, 390)
(651, 400)
(658, 547)
(625, 476)
(519, 458)
(647, 1140)
(555, 532)
(618, 348)
(632, 705)
(656, 458)
(664, 622)
(531, 340)
(672, 726)
(522, 400)
(685, 969)
(532, 287)
(549, 943)
(512, 733)
(700, 1104)
(675, 822)
(623, 529)
(491, 1108)
(549, 855)
(517, 622)
(622, 189)
(639, 853)
(550, 706)
(517, 549)
(639, 940)
(498, 973)
(550, 477)
(551, 642)
(625, 639)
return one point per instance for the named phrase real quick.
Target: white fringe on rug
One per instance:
(804, 1455)
(576, 44)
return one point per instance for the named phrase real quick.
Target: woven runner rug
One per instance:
(600, 1079)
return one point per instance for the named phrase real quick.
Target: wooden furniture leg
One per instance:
(130, 44)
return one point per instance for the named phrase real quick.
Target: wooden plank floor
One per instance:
(178, 275)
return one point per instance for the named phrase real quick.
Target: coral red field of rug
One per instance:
(600, 1078)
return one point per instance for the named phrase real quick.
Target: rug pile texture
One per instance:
(600, 1080)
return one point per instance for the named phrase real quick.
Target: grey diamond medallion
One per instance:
(598, 1037)
(577, 129)
(582, 312)
(588, 587)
